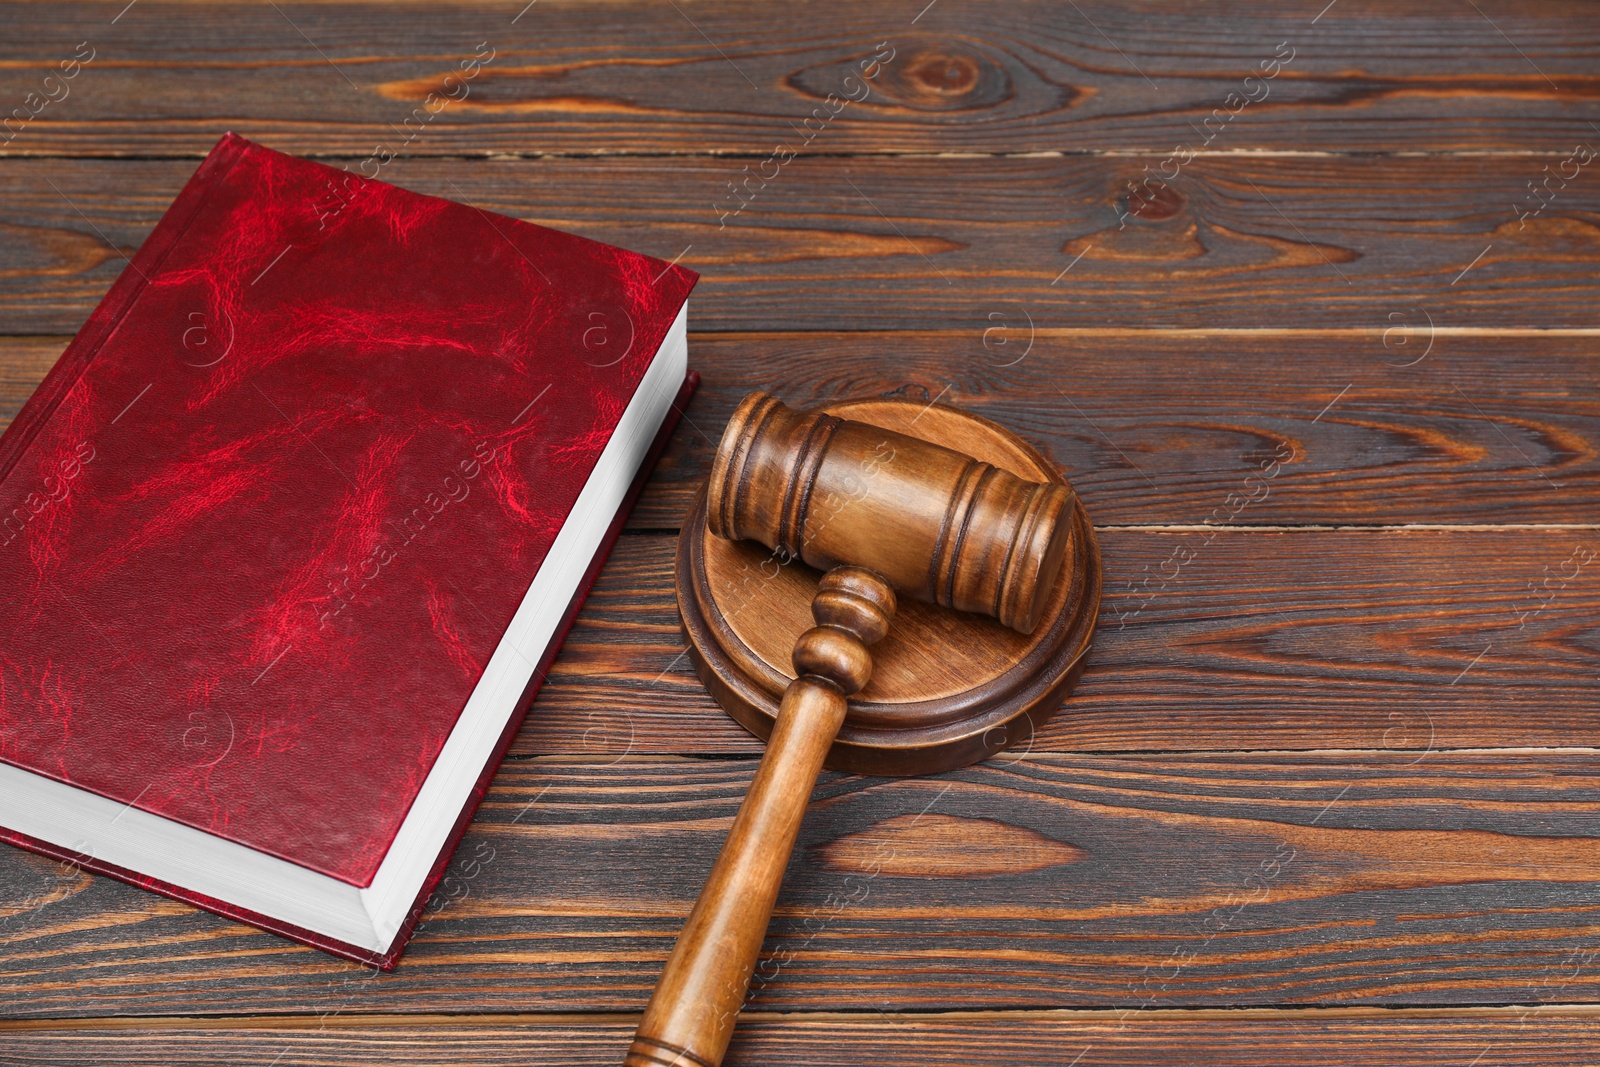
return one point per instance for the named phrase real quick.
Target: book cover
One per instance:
(267, 521)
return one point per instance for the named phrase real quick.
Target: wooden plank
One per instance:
(964, 76)
(1241, 1038)
(915, 243)
(1164, 427)
(1159, 426)
(1214, 635)
(1219, 880)
(24, 361)
(1208, 639)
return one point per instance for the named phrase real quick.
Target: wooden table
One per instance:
(1327, 792)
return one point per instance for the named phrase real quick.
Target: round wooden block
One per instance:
(948, 688)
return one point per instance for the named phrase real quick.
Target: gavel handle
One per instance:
(691, 1015)
(696, 1002)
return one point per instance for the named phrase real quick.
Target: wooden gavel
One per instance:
(882, 513)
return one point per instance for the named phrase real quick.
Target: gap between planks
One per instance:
(1074, 755)
(1067, 332)
(500, 156)
(1061, 1015)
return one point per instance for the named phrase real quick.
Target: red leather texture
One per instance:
(389, 959)
(264, 523)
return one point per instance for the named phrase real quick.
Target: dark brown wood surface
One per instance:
(1326, 791)
(902, 243)
(1266, 638)
(1238, 1038)
(1492, 427)
(1107, 882)
(635, 77)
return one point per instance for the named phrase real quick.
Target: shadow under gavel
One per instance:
(882, 514)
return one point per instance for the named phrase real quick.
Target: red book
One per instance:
(290, 534)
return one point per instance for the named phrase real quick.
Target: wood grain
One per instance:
(637, 77)
(1355, 878)
(1340, 277)
(850, 243)
(24, 361)
(1250, 639)
(1160, 427)
(1240, 1038)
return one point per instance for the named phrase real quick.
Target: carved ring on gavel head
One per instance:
(882, 512)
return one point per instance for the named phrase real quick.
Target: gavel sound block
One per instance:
(959, 591)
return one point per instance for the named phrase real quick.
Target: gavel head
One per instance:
(939, 525)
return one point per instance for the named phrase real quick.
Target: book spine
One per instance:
(124, 293)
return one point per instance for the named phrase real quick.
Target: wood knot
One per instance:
(1154, 201)
(945, 74)
(939, 74)
(931, 845)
